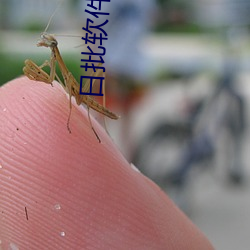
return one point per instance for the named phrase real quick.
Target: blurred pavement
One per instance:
(220, 210)
(223, 214)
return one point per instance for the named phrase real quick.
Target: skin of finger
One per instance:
(61, 190)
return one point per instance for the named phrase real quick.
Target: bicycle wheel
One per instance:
(160, 150)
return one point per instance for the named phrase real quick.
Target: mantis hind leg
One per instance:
(70, 108)
(92, 127)
(104, 105)
(72, 91)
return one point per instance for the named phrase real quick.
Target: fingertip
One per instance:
(44, 166)
(68, 191)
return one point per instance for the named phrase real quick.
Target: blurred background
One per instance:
(178, 74)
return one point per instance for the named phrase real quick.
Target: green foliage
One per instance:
(178, 28)
(12, 66)
(34, 26)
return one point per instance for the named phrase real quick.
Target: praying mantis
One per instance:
(70, 84)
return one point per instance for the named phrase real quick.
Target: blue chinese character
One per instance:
(95, 27)
(92, 66)
(100, 3)
(90, 85)
(92, 39)
(94, 54)
(95, 13)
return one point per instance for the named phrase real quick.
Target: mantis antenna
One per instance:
(53, 14)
